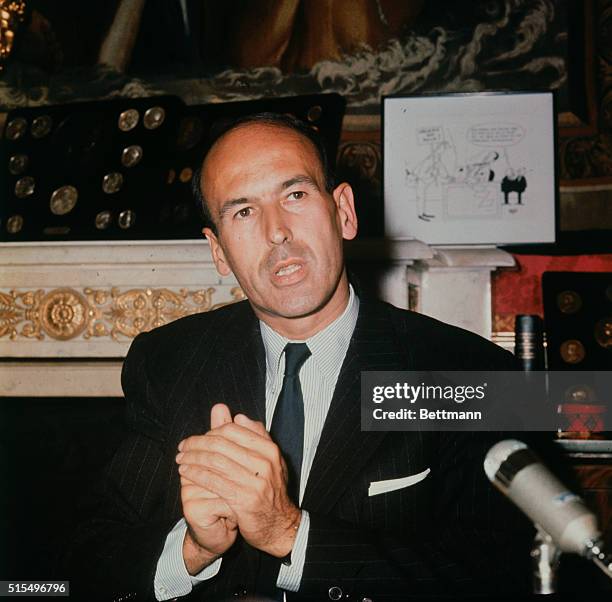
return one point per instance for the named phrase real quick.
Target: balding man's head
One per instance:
(281, 121)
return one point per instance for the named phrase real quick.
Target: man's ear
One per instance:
(217, 253)
(345, 206)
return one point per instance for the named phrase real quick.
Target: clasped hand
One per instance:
(233, 479)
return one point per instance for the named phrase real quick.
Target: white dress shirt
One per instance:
(318, 377)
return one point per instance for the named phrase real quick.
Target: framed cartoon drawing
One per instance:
(475, 168)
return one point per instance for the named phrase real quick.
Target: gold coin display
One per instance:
(24, 187)
(314, 113)
(112, 182)
(603, 332)
(63, 200)
(131, 155)
(14, 224)
(569, 302)
(41, 126)
(186, 174)
(103, 220)
(572, 351)
(18, 164)
(154, 117)
(128, 120)
(16, 128)
(126, 219)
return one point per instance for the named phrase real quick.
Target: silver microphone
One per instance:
(518, 473)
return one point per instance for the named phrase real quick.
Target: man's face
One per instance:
(278, 230)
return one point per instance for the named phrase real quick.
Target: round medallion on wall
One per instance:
(603, 332)
(63, 200)
(103, 220)
(112, 182)
(63, 314)
(569, 302)
(572, 351)
(41, 126)
(126, 219)
(24, 187)
(18, 164)
(128, 120)
(14, 224)
(314, 113)
(16, 128)
(154, 117)
(186, 175)
(131, 155)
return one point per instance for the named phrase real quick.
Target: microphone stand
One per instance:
(594, 552)
(545, 557)
(545, 562)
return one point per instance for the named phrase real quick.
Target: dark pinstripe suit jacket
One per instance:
(451, 533)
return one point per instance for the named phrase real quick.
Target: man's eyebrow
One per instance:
(229, 205)
(301, 179)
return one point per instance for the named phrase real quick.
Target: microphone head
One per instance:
(498, 454)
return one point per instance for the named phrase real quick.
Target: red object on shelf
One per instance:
(581, 419)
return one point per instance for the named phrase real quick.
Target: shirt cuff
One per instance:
(290, 576)
(172, 579)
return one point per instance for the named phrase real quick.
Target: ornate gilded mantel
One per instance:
(69, 311)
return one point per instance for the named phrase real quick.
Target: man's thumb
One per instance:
(219, 415)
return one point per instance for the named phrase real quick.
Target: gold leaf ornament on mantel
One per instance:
(65, 314)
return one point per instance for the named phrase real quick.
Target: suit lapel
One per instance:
(236, 371)
(343, 449)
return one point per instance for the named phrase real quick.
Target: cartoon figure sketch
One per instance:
(431, 173)
(478, 169)
(507, 184)
(470, 190)
(514, 181)
(455, 170)
(521, 183)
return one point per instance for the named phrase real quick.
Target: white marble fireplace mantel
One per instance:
(68, 311)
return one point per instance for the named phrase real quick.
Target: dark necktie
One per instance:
(287, 431)
(287, 428)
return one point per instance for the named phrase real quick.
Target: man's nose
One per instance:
(278, 228)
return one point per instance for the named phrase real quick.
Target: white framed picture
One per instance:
(473, 168)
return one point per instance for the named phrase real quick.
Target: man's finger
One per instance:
(212, 481)
(252, 425)
(237, 463)
(187, 485)
(227, 457)
(207, 510)
(230, 430)
(219, 415)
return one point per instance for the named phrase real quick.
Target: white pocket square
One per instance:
(378, 487)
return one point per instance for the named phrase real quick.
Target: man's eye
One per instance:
(244, 212)
(297, 195)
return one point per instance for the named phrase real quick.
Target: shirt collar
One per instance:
(328, 347)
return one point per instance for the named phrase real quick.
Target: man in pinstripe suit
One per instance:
(195, 502)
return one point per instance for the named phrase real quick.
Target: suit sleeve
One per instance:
(121, 524)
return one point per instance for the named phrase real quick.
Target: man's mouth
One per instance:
(288, 269)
